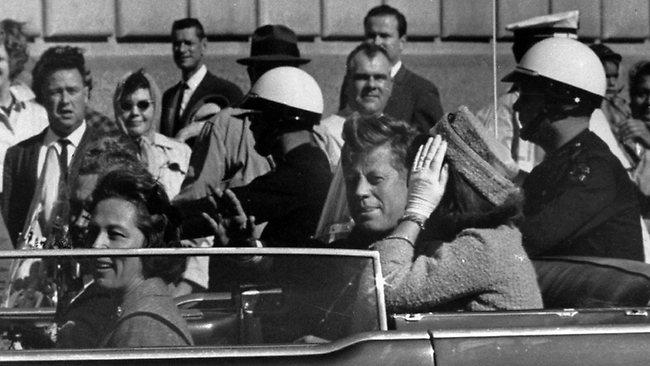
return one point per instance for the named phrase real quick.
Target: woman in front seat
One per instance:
(131, 210)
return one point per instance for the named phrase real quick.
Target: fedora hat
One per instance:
(274, 43)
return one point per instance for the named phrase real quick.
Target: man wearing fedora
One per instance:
(188, 45)
(224, 154)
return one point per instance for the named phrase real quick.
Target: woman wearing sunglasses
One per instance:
(137, 112)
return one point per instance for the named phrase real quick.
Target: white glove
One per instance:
(428, 179)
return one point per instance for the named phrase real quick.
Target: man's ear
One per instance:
(402, 42)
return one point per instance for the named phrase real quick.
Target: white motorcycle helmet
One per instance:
(287, 96)
(567, 67)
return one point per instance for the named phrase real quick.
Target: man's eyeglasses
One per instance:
(142, 105)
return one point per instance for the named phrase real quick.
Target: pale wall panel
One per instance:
(303, 16)
(625, 19)
(148, 18)
(344, 18)
(422, 16)
(79, 17)
(466, 18)
(589, 15)
(28, 11)
(225, 17)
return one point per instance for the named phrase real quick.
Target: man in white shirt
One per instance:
(60, 86)
(188, 45)
(20, 116)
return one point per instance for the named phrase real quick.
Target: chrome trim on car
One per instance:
(292, 350)
(542, 331)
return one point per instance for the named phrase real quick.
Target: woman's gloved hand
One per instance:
(428, 179)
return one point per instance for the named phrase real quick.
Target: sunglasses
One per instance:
(141, 104)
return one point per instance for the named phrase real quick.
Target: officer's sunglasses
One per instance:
(142, 105)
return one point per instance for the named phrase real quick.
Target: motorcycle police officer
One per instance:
(579, 200)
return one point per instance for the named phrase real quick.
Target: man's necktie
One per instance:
(63, 158)
(181, 98)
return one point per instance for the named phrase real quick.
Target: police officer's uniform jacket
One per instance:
(580, 201)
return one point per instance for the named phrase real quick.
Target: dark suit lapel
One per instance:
(172, 108)
(31, 159)
(400, 77)
(198, 92)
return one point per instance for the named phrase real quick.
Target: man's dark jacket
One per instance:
(580, 201)
(170, 123)
(413, 99)
(21, 177)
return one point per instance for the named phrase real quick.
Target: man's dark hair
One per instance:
(15, 42)
(369, 49)
(189, 23)
(55, 59)
(605, 53)
(363, 134)
(156, 218)
(383, 10)
(135, 81)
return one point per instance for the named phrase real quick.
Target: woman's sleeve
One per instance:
(454, 270)
(144, 331)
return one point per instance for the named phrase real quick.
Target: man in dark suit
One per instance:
(414, 98)
(60, 86)
(188, 45)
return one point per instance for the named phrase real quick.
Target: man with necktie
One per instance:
(60, 86)
(188, 45)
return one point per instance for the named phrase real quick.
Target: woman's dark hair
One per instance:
(364, 134)
(114, 143)
(15, 42)
(155, 218)
(135, 81)
(463, 207)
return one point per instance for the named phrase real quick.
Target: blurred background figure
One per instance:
(20, 116)
(615, 107)
(414, 99)
(188, 46)
(369, 87)
(634, 131)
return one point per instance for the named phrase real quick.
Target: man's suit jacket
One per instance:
(413, 99)
(211, 84)
(21, 177)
